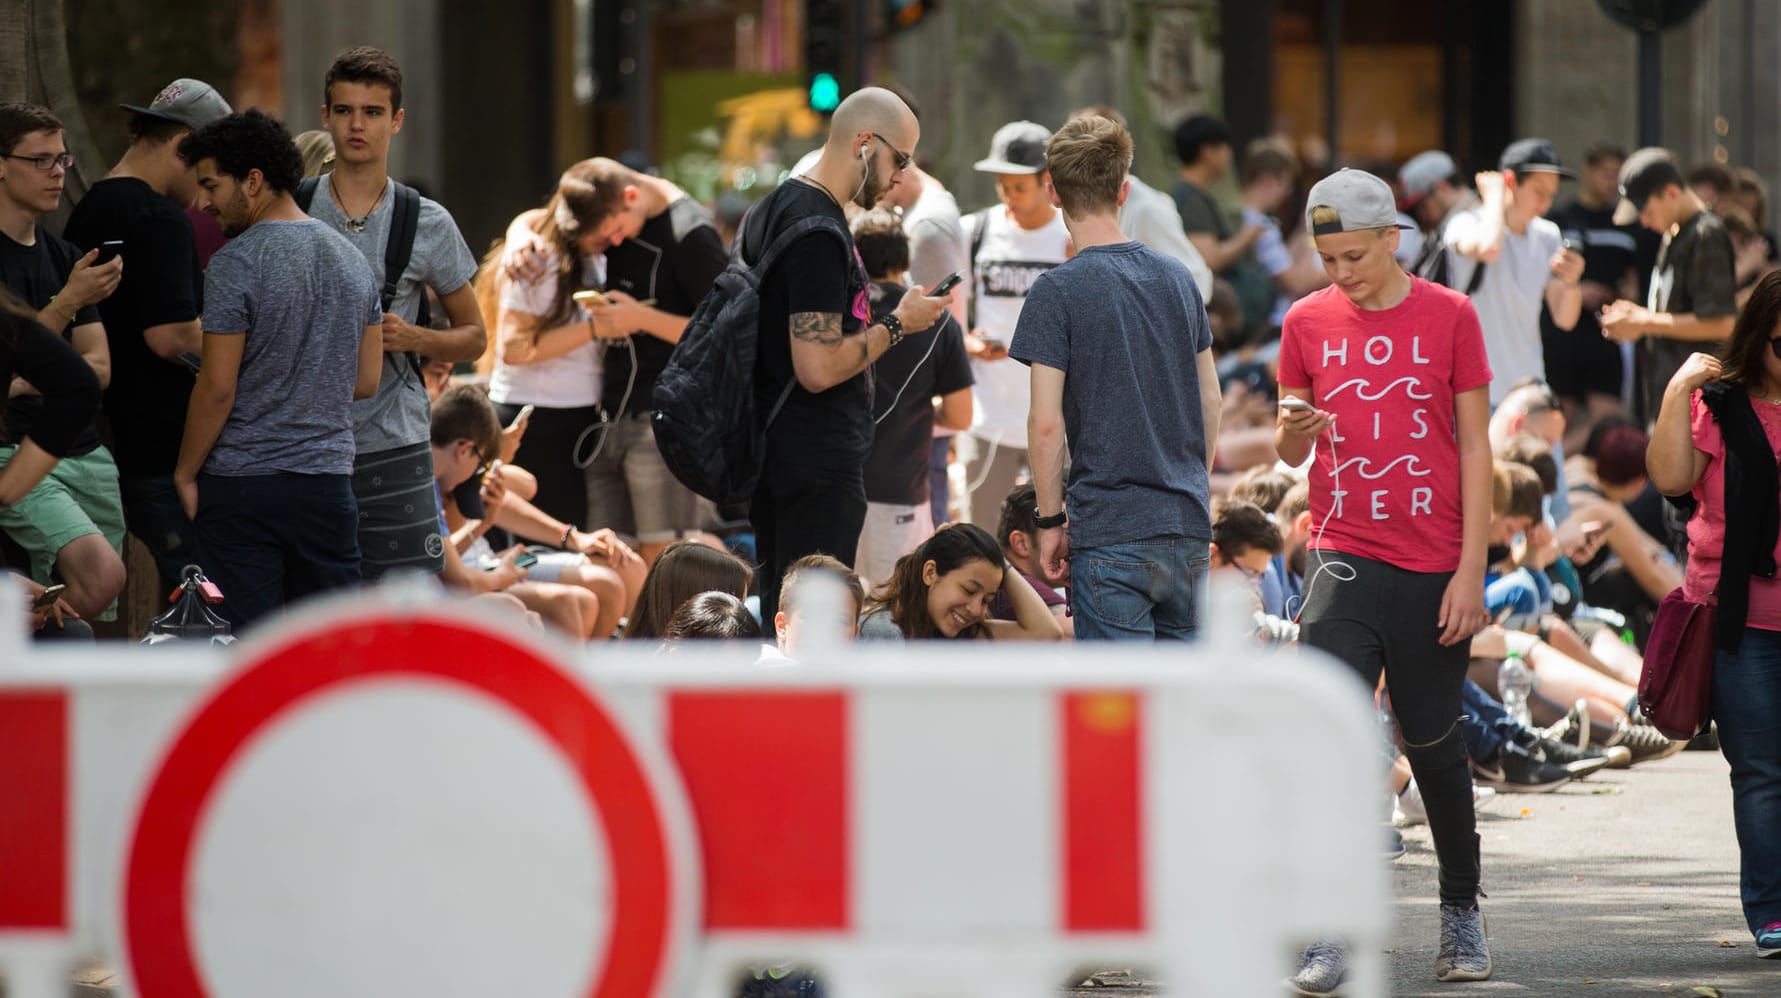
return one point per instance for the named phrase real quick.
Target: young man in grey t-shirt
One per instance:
(292, 335)
(1116, 339)
(393, 472)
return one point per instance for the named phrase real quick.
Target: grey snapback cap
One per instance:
(1361, 201)
(1421, 173)
(192, 103)
(1017, 147)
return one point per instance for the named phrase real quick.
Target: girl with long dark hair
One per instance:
(943, 589)
(1716, 437)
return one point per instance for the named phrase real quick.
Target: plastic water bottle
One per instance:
(1515, 682)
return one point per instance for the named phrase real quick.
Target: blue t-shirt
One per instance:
(302, 295)
(1126, 326)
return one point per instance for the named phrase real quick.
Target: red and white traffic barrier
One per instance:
(386, 797)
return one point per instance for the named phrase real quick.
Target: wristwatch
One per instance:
(893, 326)
(1048, 522)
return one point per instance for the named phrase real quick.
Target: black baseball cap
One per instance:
(1646, 172)
(1533, 156)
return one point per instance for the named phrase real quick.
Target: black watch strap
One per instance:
(1048, 522)
(893, 326)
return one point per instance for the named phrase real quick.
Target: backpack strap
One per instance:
(305, 192)
(1477, 277)
(979, 224)
(781, 243)
(405, 213)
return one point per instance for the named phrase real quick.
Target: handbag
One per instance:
(1676, 682)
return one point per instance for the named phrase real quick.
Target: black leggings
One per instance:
(1385, 619)
(548, 452)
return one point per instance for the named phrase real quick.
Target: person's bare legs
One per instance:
(1607, 655)
(93, 573)
(610, 591)
(567, 608)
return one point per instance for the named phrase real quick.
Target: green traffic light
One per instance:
(825, 92)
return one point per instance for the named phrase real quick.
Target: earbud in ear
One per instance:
(863, 146)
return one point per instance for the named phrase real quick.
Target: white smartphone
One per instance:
(524, 414)
(1293, 403)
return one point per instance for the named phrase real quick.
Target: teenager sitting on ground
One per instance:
(684, 570)
(1245, 539)
(1020, 548)
(1634, 570)
(713, 616)
(793, 623)
(943, 589)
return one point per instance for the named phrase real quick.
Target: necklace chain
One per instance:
(825, 187)
(357, 225)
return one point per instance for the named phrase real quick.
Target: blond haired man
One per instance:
(1116, 339)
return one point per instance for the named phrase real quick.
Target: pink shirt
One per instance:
(1388, 481)
(1706, 530)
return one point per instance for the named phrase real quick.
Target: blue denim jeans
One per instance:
(1142, 591)
(153, 514)
(1487, 725)
(270, 540)
(1747, 708)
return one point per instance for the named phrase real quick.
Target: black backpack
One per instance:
(705, 422)
(404, 221)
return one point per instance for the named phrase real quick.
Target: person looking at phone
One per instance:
(1121, 371)
(923, 383)
(818, 339)
(362, 110)
(1395, 373)
(265, 467)
(662, 255)
(1524, 260)
(71, 524)
(1012, 244)
(152, 318)
(547, 347)
(573, 594)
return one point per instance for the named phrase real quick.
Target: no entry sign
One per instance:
(308, 829)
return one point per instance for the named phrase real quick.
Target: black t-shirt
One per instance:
(162, 284)
(36, 274)
(70, 389)
(831, 430)
(673, 260)
(1609, 251)
(1695, 274)
(924, 365)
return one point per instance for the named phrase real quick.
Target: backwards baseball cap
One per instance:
(1360, 200)
(192, 103)
(1533, 156)
(1646, 172)
(1420, 174)
(1017, 147)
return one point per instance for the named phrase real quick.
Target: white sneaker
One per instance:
(1408, 809)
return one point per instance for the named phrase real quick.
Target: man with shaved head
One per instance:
(817, 338)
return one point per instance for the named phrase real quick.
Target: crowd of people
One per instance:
(1452, 432)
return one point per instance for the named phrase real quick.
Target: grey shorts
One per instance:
(398, 511)
(631, 490)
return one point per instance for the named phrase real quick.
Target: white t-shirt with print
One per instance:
(1509, 300)
(571, 381)
(1008, 262)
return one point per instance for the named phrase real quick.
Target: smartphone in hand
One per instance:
(48, 597)
(109, 250)
(946, 284)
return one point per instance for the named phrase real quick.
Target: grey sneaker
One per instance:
(1646, 743)
(1465, 955)
(1321, 970)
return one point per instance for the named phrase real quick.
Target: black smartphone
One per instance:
(191, 360)
(48, 597)
(109, 250)
(946, 284)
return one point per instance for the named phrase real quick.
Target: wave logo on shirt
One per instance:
(1010, 278)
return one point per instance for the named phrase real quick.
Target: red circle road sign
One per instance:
(646, 872)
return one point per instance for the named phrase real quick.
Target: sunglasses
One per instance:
(903, 159)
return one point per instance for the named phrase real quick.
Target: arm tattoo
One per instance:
(821, 328)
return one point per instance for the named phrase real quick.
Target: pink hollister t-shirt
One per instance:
(1706, 529)
(1386, 477)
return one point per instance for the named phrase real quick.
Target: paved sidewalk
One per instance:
(1624, 884)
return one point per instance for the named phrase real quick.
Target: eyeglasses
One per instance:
(48, 161)
(903, 159)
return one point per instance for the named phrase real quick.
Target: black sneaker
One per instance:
(1516, 770)
(1578, 762)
